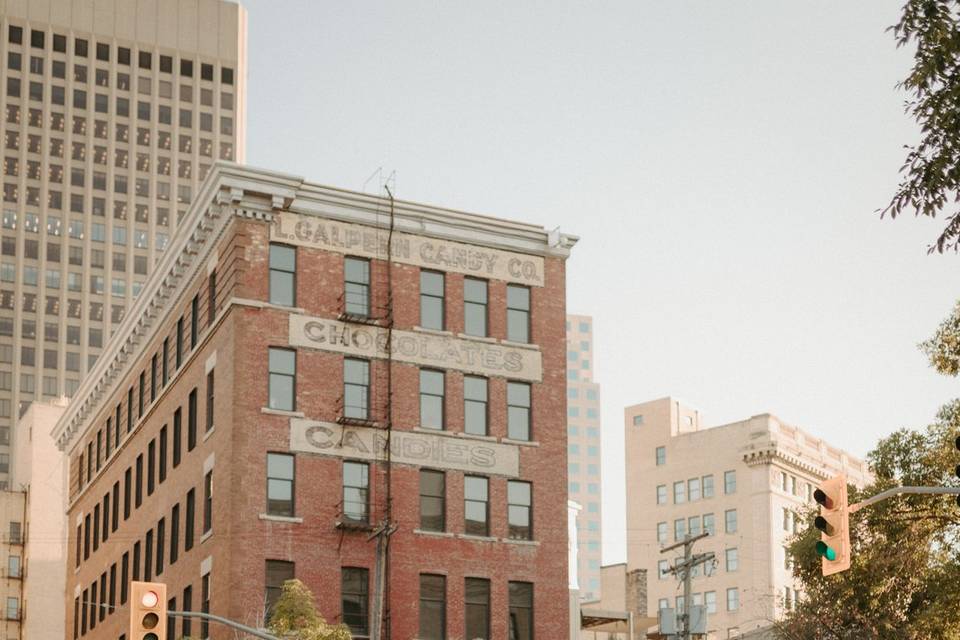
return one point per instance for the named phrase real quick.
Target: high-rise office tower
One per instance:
(111, 113)
(583, 456)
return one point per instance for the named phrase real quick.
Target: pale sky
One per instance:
(721, 161)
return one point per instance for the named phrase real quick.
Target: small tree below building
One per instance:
(295, 616)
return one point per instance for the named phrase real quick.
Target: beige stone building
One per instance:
(111, 113)
(743, 482)
(39, 475)
(583, 451)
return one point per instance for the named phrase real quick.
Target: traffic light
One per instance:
(833, 523)
(148, 611)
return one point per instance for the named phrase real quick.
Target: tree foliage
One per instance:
(295, 616)
(930, 175)
(943, 349)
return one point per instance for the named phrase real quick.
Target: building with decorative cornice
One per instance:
(743, 483)
(112, 112)
(309, 374)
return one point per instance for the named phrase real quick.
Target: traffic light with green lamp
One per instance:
(834, 525)
(148, 611)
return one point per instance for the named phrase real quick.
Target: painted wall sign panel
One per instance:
(407, 447)
(422, 251)
(447, 352)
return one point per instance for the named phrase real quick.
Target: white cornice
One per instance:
(234, 190)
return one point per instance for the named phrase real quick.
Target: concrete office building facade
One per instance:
(111, 114)
(584, 458)
(744, 483)
(258, 417)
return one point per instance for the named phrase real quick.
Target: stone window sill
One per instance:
(522, 443)
(287, 519)
(282, 412)
(467, 536)
(436, 534)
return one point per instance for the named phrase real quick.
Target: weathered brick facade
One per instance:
(232, 222)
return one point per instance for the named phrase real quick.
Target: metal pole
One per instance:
(687, 586)
(889, 493)
(630, 625)
(224, 621)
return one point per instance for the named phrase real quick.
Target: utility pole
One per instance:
(683, 570)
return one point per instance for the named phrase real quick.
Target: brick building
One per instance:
(248, 423)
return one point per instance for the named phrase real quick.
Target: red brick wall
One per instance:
(242, 541)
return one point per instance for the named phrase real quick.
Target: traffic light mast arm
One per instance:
(225, 621)
(889, 493)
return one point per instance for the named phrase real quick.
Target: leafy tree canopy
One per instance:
(930, 175)
(943, 348)
(295, 616)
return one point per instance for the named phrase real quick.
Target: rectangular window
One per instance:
(143, 386)
(730, 521)
(205, 604)
(136, 560)
(477, 605)
(355, 601)
(476, 506)
(208, 501)
(732, 560)
(192, 420)
(356, 286)
(431, 399)
(277, 572)
(162, 457)
(693, 525)
(177, 436)
(187, 606)
(194, 320)
(662, 532)
(280, 484)
(139, 474)
(521, 611)
(356, 491)
(124, 577)
(729, 482)
(733, 599)
(151, 466)
(518, 411)
(130, 410)
(127, 481)
(693, 489)
(432, 300)
(282, 381)
(662, 494)
(356, 388)
(518, 313)
(283, 275)
(211, 298)
(161, 542)
(679, 492)
(679, 529)
(707, 482)
(433, 607)
(153, 377)
(474, 307)
(433, 500)
(148, 557)
(475, 405)
(661, 456)
(520, 510)
(709, 526)
(188, 523)
(210, 381)
(115, 513)
(164, 368)
(174, 533)
(179, 354)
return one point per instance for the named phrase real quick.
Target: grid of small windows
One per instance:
(71, 120)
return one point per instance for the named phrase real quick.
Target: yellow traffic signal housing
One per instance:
(834, 525)
(148, 611)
